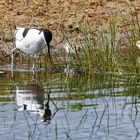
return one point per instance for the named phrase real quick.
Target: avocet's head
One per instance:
(138, 44)
(48, 38)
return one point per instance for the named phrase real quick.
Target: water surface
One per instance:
(68, 105)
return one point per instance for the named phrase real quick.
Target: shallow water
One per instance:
(68, 105)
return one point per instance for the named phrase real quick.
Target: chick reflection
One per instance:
(32, 97)
(71, 72)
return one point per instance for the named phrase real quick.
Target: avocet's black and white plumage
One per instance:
(32, 41)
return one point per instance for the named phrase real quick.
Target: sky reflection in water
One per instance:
(55, 106)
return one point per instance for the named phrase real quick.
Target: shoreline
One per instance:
(61, 16)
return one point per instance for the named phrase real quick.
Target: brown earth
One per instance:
(57, 15)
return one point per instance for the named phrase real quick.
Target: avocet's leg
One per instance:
(12, 63)
(34, 62)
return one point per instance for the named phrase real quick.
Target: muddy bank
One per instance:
(60, 15)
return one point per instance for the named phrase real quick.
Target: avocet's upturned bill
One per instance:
(32, 41)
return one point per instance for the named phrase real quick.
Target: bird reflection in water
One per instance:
(32, 97)
(47, 112)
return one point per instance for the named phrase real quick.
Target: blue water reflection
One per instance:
(47, 106)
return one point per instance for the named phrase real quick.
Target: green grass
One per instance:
(111, 49)
(3, 99)
(79, 106)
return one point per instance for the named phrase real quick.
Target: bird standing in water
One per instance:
(32, 41)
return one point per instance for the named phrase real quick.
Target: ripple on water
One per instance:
(99, 117)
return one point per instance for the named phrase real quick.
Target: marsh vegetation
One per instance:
(89, 91)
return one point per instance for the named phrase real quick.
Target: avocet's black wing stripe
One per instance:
(25, 32)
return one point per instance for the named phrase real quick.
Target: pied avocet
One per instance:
(32, 41)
